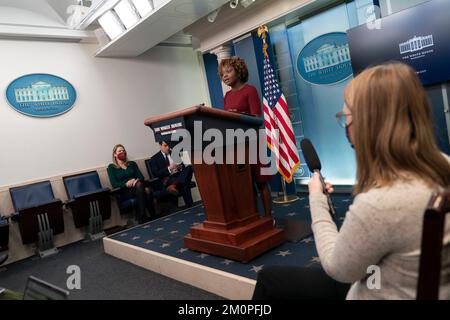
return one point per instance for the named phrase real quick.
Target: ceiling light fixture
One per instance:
(76, 12)
(96, 5)
(127, 14)
(111, 24)
(246, 3)
(213, 15)
(234, 4)
(144, 7)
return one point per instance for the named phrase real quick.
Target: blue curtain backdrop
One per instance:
(214, 85)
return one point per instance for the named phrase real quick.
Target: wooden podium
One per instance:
(233, 227)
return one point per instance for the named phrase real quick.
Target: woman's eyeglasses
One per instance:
(341, 118)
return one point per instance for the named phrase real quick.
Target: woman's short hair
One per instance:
(238, 65)
(114, 160)
(392, 129)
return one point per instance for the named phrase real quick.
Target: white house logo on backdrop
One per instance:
(41, 95)
(41, 91)
(327, 56)
(416, 44)
(326, 59)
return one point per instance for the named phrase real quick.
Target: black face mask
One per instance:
(347, 134)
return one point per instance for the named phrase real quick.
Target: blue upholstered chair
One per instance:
(39, 214)
(37, 289)
(125, 202)
(89, 201)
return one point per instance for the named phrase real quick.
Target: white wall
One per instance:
(115, 96)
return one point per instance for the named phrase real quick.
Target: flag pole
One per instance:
(285, 198)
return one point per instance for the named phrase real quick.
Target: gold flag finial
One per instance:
(262, 33)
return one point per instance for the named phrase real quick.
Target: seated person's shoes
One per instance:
(187, 206)
(172, 189)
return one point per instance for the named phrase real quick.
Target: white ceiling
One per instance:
(45, 12)
(39, 19)
(158, 26)
(46, 19)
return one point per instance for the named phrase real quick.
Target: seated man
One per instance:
(174, 177)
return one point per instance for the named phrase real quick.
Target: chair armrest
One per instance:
(90, 192)
(3, 257)
(42, 204)
(12, 216)
(153, 182)
(85, 194)
(115, 191)
(68, 203)
(45, 203)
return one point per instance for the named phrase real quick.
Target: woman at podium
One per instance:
(243, 98)
(125, 174)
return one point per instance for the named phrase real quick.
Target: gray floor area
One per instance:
(103, 277)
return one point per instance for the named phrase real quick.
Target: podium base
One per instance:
(240, 244)
(285, 199)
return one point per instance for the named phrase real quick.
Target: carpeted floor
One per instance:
(102, 277)
(105, 277)
(165, 236)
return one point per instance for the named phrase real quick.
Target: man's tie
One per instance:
(167, 160)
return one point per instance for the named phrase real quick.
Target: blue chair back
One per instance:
(31, 195)
(82, 183)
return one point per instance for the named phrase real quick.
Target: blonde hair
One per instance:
(392, 129)
(114, 160)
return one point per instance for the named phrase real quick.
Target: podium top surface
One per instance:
(206, 111)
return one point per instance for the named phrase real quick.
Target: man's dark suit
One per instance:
(181, 179)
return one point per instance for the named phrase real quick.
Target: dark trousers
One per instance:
(296, 283)
(182, 179)
(143, 201)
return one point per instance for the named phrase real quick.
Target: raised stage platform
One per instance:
(158, 246)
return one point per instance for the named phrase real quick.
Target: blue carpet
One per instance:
(165, 235)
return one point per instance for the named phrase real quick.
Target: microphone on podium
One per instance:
(314, 165)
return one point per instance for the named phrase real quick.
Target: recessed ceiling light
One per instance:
(127, 14)
(246, 3)
(144, 7)
(111, 24)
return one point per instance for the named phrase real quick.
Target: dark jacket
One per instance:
(159, 167)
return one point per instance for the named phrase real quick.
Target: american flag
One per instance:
(279, 132)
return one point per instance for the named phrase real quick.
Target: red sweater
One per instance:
(244, 100)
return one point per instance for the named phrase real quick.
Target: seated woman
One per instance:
(126, 175)
(388, 121)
